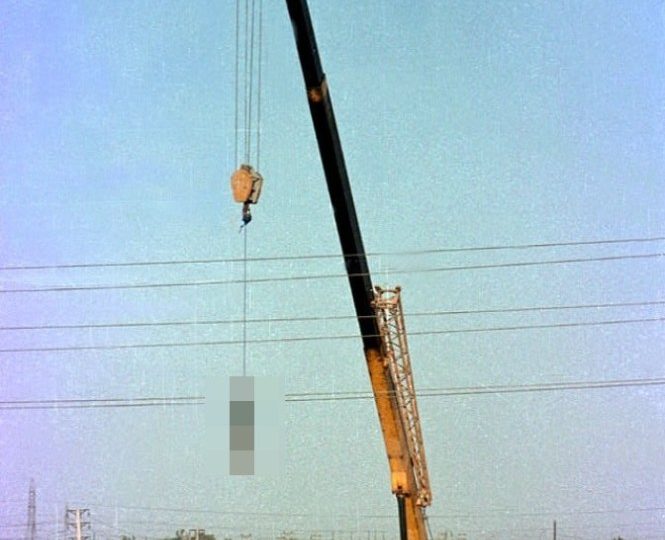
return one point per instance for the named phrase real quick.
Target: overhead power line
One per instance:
(506, 513)
(503, 247)
(478, 390)
(144, 324)
(101, 400)
(330, 276)
(321, 338)
(189, 510)
(23, 525)
(332, 396)
(553, 512)
(101, 403)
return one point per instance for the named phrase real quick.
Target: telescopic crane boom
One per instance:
(379, 312)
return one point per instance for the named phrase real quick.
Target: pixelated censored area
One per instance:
(241, 413)
(241, 463)
(269, 422)
(241, 388)
(241, 426)
(244, 425)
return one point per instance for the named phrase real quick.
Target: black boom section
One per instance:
(332, 157)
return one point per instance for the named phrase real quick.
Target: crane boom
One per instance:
(393, 393)
(388, 305)
(337, 179)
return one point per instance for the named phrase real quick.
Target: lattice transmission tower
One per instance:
(31, 529)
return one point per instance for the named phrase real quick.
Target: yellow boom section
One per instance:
(402, 479)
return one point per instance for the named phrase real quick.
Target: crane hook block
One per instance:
(246, 184)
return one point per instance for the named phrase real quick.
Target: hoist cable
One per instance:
(237, 82)
(258, 91)
(248, 113)
(244, 87)
(250, 85)
(247, 81)
(244, 306)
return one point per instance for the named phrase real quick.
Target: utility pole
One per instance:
(32, 512)
(554, 530)
(77, 524)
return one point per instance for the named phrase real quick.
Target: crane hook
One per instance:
(246, 184)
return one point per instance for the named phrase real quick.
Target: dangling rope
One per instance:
(251, 92)
(248, 82)
(244, 305)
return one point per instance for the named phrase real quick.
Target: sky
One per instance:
(464, 124)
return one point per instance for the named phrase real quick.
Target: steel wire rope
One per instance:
(259, 89)
(139, 324)
(245, 77)
(504, 247)
(237, 83)
(244, 306)
(250, 15)
(250, 84)
(215, 343)
(334, 276)
(244, 229)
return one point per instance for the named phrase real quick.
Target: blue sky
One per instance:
(464, 124)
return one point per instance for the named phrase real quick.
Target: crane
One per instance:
(379, 311)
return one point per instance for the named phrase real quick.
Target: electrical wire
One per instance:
(554, 512)
(492, 514)
(332, 396)
(96, 406)
(270, 320)
(112, 403)
(479, 390)
(504, 247)
(23, 525)
(189, 510)
(639, 524)
(124, 532)
(100, 400)
(322, 338)
(331, 276)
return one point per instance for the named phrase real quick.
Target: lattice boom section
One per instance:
(390, 318)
